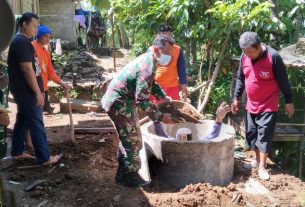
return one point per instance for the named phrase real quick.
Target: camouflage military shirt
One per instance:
(132, 86)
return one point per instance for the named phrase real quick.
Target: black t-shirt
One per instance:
(21, 50)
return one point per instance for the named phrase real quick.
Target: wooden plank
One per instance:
(94, 130)
(281, 134)
(290, 124)
(286, 139)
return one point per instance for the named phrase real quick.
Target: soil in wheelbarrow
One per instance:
(180, 114)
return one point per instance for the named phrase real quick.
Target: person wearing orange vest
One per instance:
(172, 76)
(47, 71)
(43, 36)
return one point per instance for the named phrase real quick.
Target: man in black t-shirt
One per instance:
(26, 86)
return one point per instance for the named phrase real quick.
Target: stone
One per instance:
(85, 63)
(36, 193)
(79, 105)
(58, 181)
(74, 68)
(116, 198)
(84, 71)
(300, 47)
(68, 176)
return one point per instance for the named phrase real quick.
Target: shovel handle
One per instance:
(71, 118)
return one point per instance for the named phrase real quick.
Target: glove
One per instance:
(159, 129)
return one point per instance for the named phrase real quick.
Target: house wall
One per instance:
(58, 15)
(21, 6)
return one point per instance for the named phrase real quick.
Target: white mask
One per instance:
(164, 60)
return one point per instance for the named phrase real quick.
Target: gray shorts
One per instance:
(260, 130)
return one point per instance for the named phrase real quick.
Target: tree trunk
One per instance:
(194, 51)
(215, 73)
(200, 78)
(113, 41)
(211, 60)
(187, 54)
(275, 13)
(120, 36)
(298, 27)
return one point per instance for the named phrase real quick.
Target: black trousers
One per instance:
(260, 130)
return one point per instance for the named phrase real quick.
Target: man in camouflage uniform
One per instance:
(132, 87)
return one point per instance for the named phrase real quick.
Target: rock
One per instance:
(42, 203)
(36, 193)
(300, 47)
(116, 198)
(78, 105)
(84, 71)
(85, 64)
(68, 176)
(67, 45)
(17, 177)
(96, 190)
(39, 187)
(84, 96)
(68, 75)
(58, 181)
(74, 68)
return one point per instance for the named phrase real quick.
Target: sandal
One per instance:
(53, 160)
(23, 156)
(263, 174)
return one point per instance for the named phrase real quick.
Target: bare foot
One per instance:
(29, 147)
(23, 156)
(53, 160)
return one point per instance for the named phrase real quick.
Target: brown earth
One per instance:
(85, 176)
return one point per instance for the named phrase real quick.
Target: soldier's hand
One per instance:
(168, 99)
(167, 118)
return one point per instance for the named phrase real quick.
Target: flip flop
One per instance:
(53, 160)
(23, 156)
(263, 174)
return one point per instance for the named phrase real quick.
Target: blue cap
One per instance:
(42, 30)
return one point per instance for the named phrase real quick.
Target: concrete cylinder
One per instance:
(186, 162)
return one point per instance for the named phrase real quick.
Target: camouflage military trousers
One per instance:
(125, 122)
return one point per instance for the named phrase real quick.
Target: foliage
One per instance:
(220, 93)
(289, 13)
(101, 4)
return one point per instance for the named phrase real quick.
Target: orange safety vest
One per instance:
(167, 76)
(45, 64)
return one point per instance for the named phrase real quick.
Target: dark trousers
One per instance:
(260, 130)
(29, 116)
(46, 101)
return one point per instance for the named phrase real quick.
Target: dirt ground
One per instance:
(85, 176)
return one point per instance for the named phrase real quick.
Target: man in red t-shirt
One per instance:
(261, 73)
